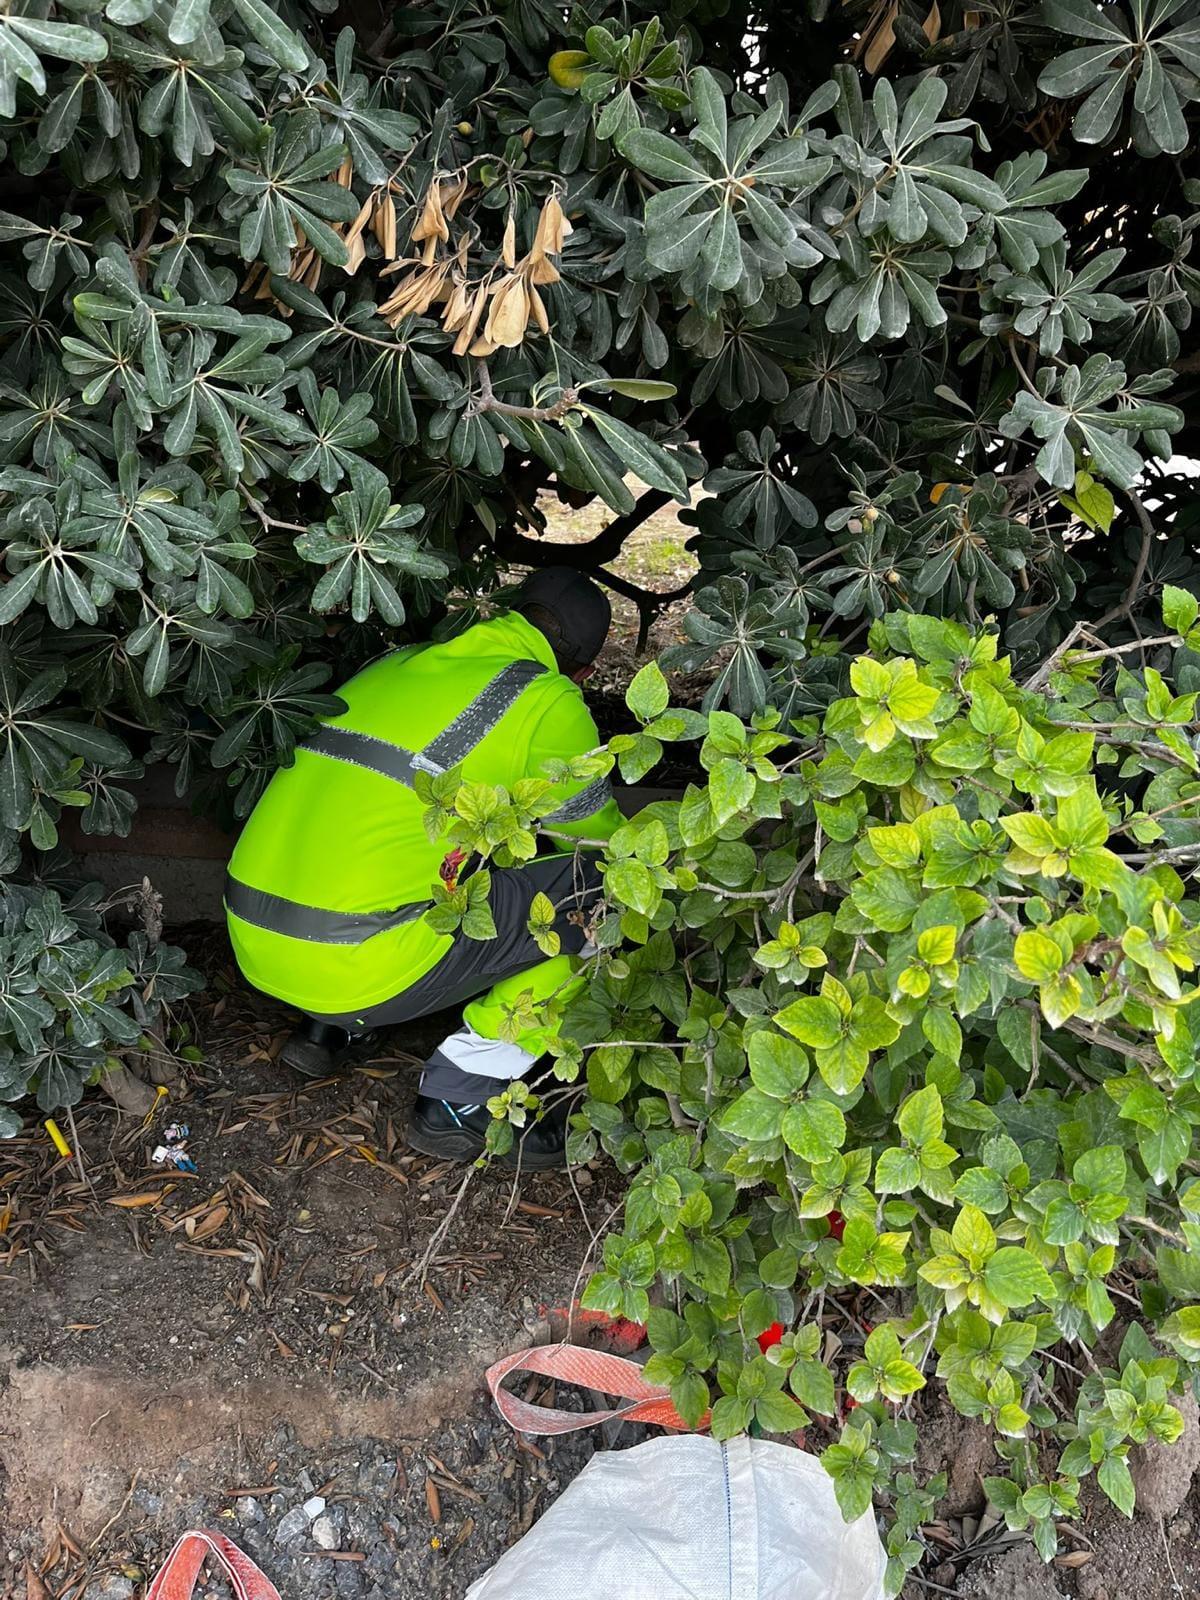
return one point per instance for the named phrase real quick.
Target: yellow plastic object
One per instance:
(160, 1092)
(60, 1144)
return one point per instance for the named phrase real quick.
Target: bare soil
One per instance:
(180, 1346)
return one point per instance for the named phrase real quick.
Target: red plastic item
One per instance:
(176, 1578)
(593, 1369)
(609, 1333)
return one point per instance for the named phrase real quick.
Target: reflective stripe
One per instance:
(583, 804)
(298, 921)
(475, 721)
(468, 729)
(487, 1058)
(375, 755)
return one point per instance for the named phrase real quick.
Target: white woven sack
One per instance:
(687, 1518)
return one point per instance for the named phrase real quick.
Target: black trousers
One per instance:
(470, 967)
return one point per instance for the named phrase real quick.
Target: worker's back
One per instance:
(334, 832)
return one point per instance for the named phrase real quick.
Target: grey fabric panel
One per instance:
(442, 1080)
(298, 921)
(472, 966)
(364, 750)
(583, 804)
(475, 721)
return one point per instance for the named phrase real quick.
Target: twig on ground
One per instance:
(118, 1513)
(421, 1270)
(596, 1236)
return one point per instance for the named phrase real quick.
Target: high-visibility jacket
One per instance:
(334, 867)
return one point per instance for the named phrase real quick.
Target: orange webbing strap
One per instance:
(176, 1577)
(593, 1369)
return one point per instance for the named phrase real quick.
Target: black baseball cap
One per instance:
(578, 607)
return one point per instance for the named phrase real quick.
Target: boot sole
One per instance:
(305, 1068)
(463, 1146)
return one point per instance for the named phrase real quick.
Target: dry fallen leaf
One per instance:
(131, 1202)
(206, 1226)
(285, 1350)
(433, 1499)
(434, 1296)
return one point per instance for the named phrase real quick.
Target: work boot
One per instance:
(459, 1133)
(315, 1048)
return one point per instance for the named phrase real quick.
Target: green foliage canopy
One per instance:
(895, 1014)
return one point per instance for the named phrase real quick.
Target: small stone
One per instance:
(304, 1481)
(325, 1535)
(314, 1507)
(114, 1586)
(348, 1579)
(292, 1522)
(248, 1509)
(1162, 1473)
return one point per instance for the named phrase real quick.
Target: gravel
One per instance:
(325, 1535)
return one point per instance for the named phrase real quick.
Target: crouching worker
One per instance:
(334, 869)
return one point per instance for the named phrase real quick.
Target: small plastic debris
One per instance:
(60, 1144)
(160, 1090)
(172, 1151)
(314, 1507)
(173, 1156)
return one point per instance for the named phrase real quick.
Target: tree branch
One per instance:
(592, 553)
(1127, 603)
(648, 601)
(487, 402)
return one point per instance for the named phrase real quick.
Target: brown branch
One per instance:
(487, 402)
(1127, 603)
(648, 601)
(1124, 649)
